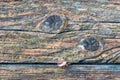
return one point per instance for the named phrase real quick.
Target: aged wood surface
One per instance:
(25, 38)
(50, 72)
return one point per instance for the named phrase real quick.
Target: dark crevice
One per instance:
(46, 63)
(65, 31)
(23, 30)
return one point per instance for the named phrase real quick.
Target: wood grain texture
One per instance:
(49, 72)
(25, 39)
(22, 38)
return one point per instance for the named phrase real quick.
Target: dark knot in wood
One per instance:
(53, 22)
(90, 44)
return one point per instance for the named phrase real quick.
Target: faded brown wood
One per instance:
(43, 47)
(20, 20)
(73, 72)
(24, 39)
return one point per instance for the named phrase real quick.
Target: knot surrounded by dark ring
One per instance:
(90, 44)
(53, 22)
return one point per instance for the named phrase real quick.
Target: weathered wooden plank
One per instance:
(52, 72)
(20, 46)
(25, 37)
(29, 14)
(83, 31)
